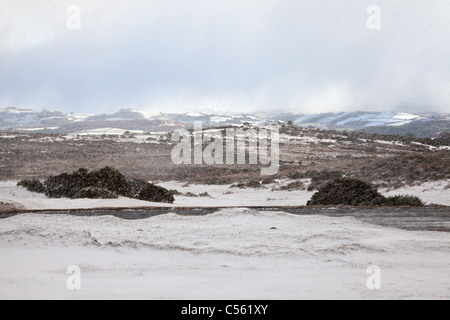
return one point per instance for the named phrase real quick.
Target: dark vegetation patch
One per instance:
(106, 183)
(200, 195)
(404, 201)
(155, 193)
(137, 185)
(68, 185)
(355, 154)
(32, 185)
(425, 130)
(354, 192)
(95, 193)
(252, 184)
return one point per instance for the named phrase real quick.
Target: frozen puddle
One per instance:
(232, 254)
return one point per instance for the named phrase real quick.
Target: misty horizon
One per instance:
(146, 113)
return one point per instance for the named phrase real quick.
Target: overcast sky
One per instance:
(225, 55)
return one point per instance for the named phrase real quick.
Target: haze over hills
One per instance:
(14, 119)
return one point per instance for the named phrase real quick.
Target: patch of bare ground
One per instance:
(9, 207)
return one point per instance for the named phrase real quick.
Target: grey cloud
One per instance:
(232, 55)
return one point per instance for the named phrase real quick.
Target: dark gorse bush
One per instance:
(68, 185)
(106, 183)
(32, 185)
(404, 201)
(155, 194)
(95, 193)
(347, 192)
(354, 192)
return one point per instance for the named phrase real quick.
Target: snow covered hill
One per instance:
(358, 119)
(14, 119)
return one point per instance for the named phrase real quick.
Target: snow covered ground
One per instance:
(232, 254)
(224, 196)
(23, 199)
(430, 192)
(219, 196)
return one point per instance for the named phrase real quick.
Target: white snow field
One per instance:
(24, 199)
(232, 254)
(219, 196)
(436, 192)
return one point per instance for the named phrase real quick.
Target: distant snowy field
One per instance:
(232, 254)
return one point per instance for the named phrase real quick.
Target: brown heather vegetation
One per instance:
(388, 161)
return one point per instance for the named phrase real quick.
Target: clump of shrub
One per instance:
(191, 195)
(175, 192)
(137, 185)
(293, 186)
(155, 193)
(269, 180)
(404, 201)
(68, 185)
(252, 184)
(106, 183)
(296, 176)
(110, 179)
(354, 192)
(200, 195)
(32, 185)
(346, 191)
(95, 193)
